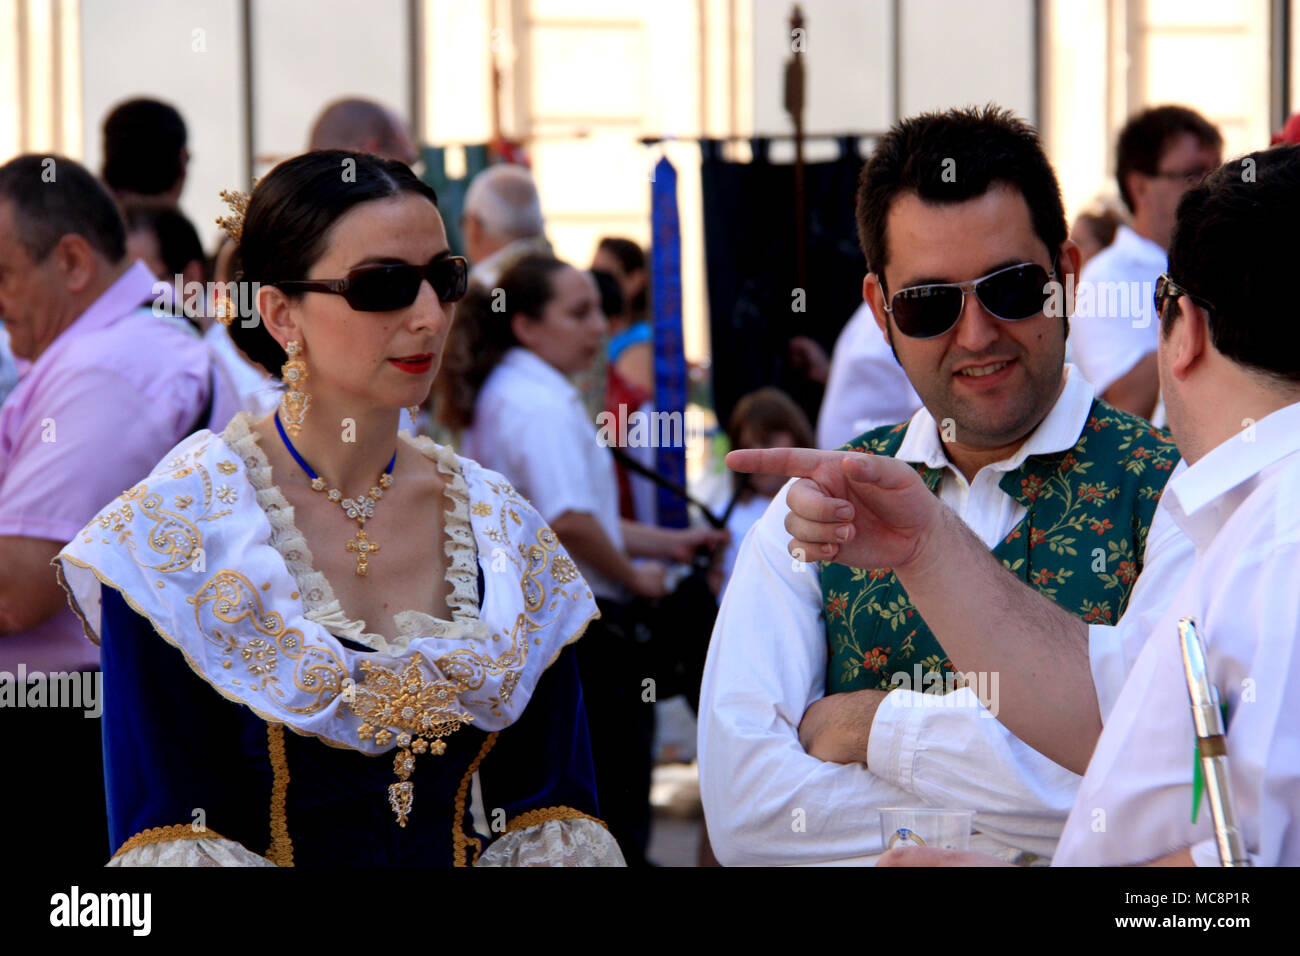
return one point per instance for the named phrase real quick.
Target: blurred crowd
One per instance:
(112, 341)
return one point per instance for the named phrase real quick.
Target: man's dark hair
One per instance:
(1234, 245)
(143, 145)
(1146, 136)
(951, 157)
(288, 222)
(178, 242)
(53, 196)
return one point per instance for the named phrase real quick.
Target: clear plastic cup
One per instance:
(909, 826)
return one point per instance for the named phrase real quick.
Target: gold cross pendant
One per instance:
(364, 548)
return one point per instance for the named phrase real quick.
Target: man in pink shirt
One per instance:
(109, 389)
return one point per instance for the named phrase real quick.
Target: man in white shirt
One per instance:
(1229, 364)
(1060, 487)
(1162, 152)
(866, 387)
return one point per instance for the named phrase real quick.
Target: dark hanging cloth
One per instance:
(451, 192)
(749, 235)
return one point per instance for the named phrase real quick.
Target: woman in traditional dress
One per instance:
(325, 642)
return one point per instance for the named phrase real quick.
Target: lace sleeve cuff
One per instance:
(181, 846)
(574, 841)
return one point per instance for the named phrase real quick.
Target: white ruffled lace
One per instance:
(319, 601)
(205, 851)
(576, 842)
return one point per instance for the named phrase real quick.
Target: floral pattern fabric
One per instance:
(1080, 543)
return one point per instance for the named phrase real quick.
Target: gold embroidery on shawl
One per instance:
(233, 599)
(281, 850)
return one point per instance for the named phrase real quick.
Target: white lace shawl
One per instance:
(206, 549)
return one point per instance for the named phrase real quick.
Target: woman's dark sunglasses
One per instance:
(387, 288)
(1014, 293)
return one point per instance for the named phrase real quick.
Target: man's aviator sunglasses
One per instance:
(387, 288)
(1012, 294)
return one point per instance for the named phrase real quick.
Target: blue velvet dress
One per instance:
(177, 752)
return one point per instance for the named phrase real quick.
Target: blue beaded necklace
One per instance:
(358, 509)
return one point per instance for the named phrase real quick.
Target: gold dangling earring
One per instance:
(295, 400)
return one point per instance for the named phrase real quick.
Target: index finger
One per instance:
(791, 462)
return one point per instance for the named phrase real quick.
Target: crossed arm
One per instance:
(869, 511)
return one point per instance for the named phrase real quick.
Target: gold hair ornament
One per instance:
(234, 228)
(234, 223)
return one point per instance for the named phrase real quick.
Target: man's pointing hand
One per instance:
(865, 511)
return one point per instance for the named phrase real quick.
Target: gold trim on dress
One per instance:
(177, 831)
(281, 849)
(546, 814)
(460, 840)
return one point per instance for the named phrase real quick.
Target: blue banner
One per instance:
(670, 356)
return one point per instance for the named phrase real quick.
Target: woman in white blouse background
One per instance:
(505, 384)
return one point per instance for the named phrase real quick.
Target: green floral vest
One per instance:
(1081, 544)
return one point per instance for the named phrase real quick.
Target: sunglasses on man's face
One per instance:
(387, 288)
(1011, 294)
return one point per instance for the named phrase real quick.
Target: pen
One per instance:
(1211, 745)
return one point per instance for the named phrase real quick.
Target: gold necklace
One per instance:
(358, 509)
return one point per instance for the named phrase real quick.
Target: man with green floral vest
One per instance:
(970, 276)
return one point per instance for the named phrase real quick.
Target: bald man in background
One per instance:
(364, 126)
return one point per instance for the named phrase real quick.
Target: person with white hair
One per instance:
(502, 221)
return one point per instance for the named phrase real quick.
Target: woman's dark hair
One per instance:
(482, 334)
(611, 293)
(631, 257)
(951, 157)
(288, 221)
(1234, 244)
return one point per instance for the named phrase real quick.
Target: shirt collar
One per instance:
(1058, 432)
(535, 368)
(1129, 241)
(1203, 497)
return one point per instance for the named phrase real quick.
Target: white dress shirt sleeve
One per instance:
(766, 801)
(952, 752)
(1254, 663)
(1166, 563)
